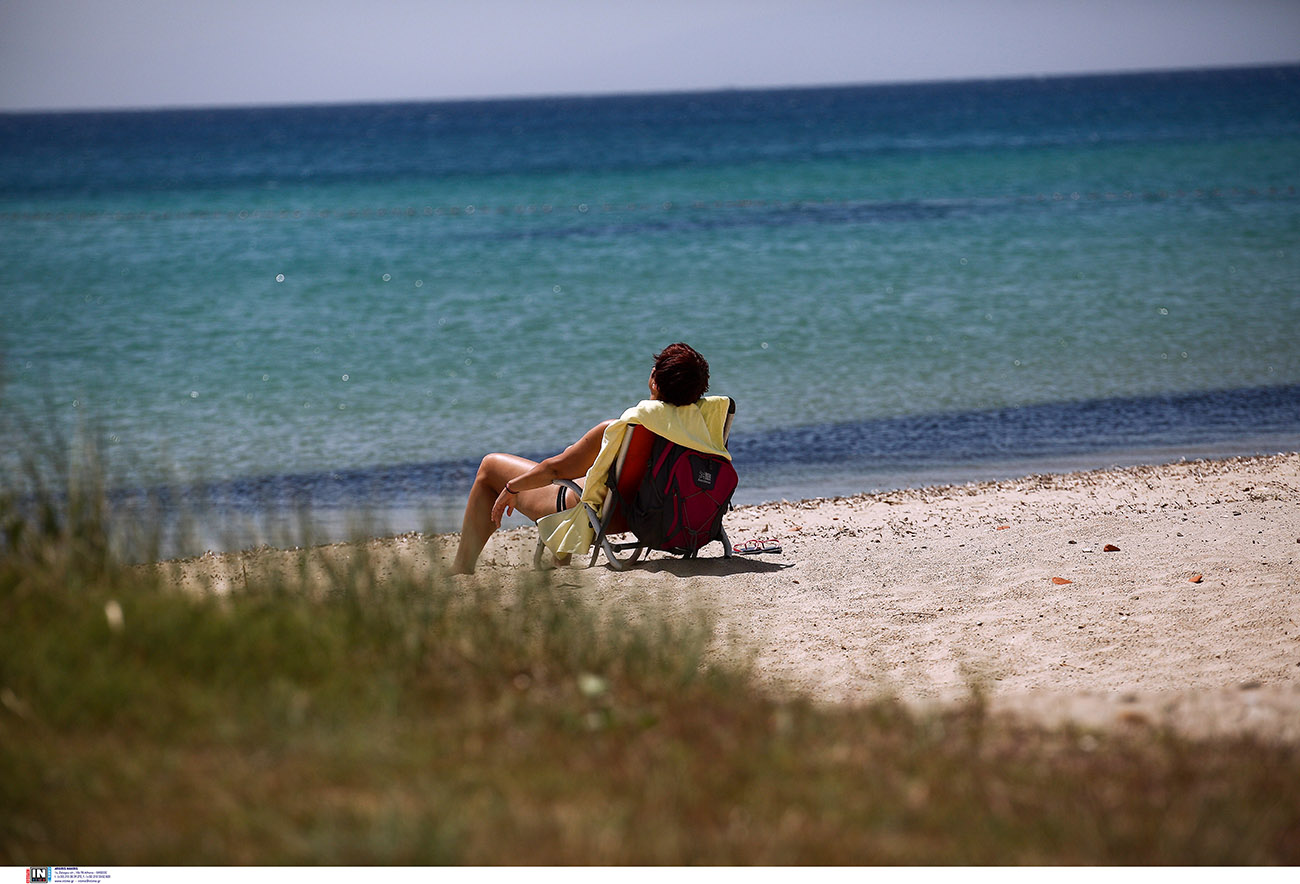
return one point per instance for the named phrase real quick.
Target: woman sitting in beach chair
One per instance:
(677, 410)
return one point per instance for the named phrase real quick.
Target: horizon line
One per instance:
(271, 104)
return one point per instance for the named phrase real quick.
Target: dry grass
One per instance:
(386, 718)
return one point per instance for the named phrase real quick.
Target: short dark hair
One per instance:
(681, 374)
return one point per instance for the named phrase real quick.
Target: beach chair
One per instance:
(624, 479)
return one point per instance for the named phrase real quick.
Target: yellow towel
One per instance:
(699, 427)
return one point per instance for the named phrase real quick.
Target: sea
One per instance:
(341, 308)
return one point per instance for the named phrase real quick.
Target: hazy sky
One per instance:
(57, 54)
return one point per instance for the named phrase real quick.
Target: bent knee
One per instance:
(498, 468)
(490, 464)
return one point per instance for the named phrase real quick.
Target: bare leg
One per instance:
(477, 526)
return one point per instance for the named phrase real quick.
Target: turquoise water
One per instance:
(303, 291)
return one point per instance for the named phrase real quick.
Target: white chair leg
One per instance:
(612, 555)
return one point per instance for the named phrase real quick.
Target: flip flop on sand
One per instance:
(755, 547)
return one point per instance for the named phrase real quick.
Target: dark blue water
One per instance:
(86, 154)
(1010, 441)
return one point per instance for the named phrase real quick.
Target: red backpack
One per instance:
(683, 495)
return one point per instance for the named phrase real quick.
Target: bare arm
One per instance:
(571, 463)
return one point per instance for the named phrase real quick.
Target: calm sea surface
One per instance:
(898, 284)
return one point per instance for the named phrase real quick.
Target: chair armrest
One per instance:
(570, 484)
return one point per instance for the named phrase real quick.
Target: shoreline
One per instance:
(930, 593)
(820, 484)
(233, 528)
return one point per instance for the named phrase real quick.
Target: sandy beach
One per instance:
(1166, 595)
